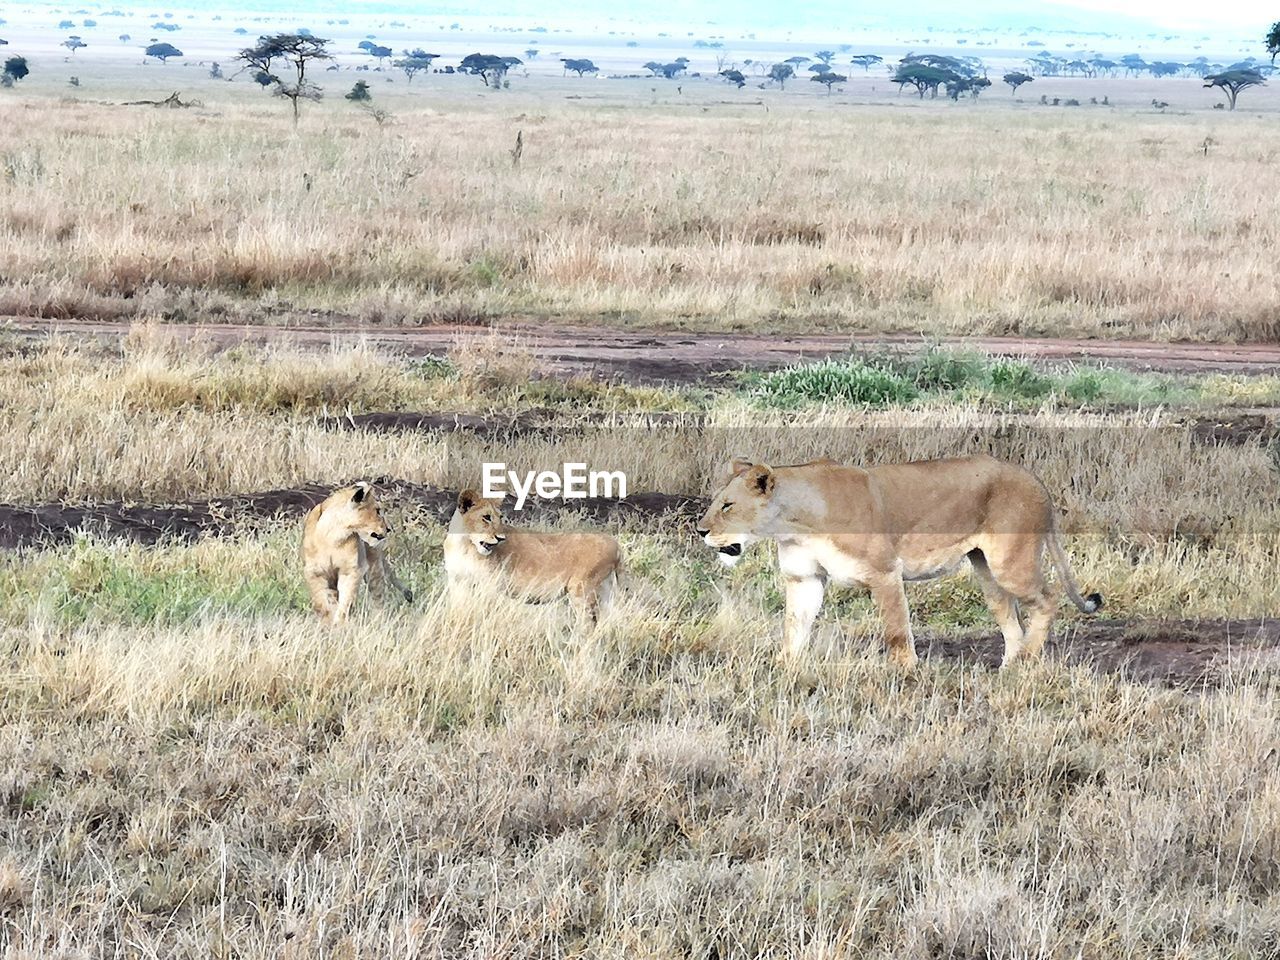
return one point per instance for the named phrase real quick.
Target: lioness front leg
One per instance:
(804, 600)
(348, 584)
(891, 601)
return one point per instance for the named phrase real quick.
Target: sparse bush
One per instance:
(360, 92)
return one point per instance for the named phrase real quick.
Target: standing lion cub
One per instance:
(481, 550)
(343, 539)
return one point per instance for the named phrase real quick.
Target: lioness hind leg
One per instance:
(1017, 570)
(585, 598)
(1041, 607)
(1002, 606)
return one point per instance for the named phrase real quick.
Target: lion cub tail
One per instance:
(1088, 604)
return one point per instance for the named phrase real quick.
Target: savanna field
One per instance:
(195, 766)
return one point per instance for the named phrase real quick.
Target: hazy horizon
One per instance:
(1074, 16)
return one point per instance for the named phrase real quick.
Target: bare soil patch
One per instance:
(54, 523)
(1182, 653)
(681, 357)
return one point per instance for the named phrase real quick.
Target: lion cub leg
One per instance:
(348, 586)
(803, 603)
(380, 574)
(323, 595)
(891, 600)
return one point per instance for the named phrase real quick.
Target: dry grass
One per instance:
(901, 215)
(259, 786)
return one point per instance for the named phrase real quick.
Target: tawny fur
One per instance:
(881, 526)
(343, 542)
(482, 551)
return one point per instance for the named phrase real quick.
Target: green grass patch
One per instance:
(943, 375)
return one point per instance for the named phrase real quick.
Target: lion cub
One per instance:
(538, 566)
(343, 539)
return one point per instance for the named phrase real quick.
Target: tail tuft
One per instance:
(1093, 603)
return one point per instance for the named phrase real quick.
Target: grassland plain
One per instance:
(194, 767)
(713, 208)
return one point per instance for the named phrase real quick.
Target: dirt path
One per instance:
(640, 356)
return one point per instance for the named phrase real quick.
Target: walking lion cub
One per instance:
(343, 540)
(538, 566)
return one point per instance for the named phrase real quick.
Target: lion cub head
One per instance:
(355, 511)
(739, 511)
(480, 520)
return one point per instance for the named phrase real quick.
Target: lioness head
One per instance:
(481, 521)
(738, 511)
(358, 513)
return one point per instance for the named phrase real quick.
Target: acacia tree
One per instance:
(489, 68)
(735, 77)
(1017, 79)
(826, 56)
(73, 44)
(414, 62)
(295, 50)
(579, 66)
(162, 51)
(922, 78)
(780, 73)
(1233, 81)
(829, 78)
(866, 61)
(1273, 41)
(970, 85)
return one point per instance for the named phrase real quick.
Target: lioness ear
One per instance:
(362, 491)
(760, 479)
(738, 466)
(467, 499)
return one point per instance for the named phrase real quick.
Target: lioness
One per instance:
(480, 548)
(343, 539)
(881, 526)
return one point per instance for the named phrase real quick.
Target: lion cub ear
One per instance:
(361, 491)
(467, 499)
(759, 478)
(738, 466)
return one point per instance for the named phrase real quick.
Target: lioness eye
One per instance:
(486, 519)
(725, 507)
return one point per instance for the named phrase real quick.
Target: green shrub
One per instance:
(1018, 380)
(836, 381)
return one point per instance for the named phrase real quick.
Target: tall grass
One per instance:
(609, 218)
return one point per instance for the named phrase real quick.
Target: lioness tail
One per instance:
(1090, 604)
